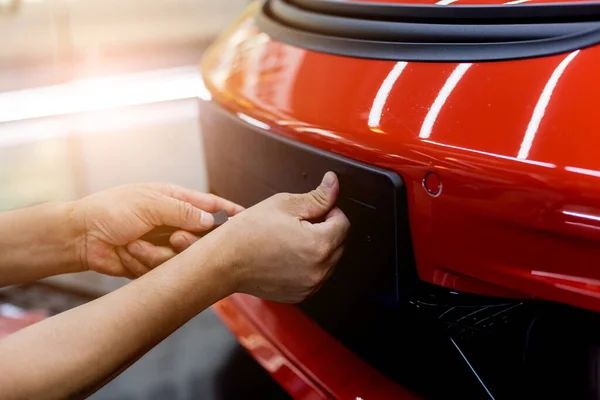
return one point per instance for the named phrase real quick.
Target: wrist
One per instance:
(62, 230)
(209, 259)
(226, 260)
(75, 235)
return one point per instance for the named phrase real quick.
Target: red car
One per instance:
(467, 142)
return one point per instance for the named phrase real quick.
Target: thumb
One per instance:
(316, 203)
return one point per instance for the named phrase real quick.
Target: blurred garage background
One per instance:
(99, 93)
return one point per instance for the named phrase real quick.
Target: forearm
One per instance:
(37, 242)
(84, 347)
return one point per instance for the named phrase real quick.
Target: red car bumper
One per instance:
(442, 292)
(303, 358)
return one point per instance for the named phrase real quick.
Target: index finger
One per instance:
(335, 226)
(204, 201)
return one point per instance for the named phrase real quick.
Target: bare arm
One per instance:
(38, 242)
(93, 233)
(79, 350)
(271, 250)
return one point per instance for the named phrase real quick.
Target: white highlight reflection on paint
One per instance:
(253, 121)
(540, 107)
(572, 278)
(531, 162)
(318, 131)
(517, 2)
(582, 215)
(441, 98)
(445, 2)
(383, 93)
(584, 171)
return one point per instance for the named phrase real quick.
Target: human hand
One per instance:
(112, 221)
(285, 247)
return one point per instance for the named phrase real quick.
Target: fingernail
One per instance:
(328, 180)
(206, 219)
(180, 241)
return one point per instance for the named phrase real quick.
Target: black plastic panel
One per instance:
(432, 33)
(247, 164)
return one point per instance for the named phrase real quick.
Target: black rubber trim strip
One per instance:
(424, 32)
(522, 13)
(406, 33)
(247, 164)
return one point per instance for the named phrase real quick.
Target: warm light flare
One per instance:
(103, 93)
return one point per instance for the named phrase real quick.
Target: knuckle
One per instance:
(323, 251)
(346, 225)
(145, 210)
(344, 222)
(301, 295)
(339, 254)
(343, 235)
(317, 277)
(170, 189)
(319, 197)
(301, 298)
(155, 260)
(165, 188)
(186, 211)
(295, 299)
(125, 257)
(212, 201)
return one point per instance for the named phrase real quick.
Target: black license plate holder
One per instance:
(248, 164)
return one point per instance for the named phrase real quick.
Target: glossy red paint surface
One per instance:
(304, 359)
(515, 145)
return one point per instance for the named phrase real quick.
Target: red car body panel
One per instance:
(514, 143)
(300, 355)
